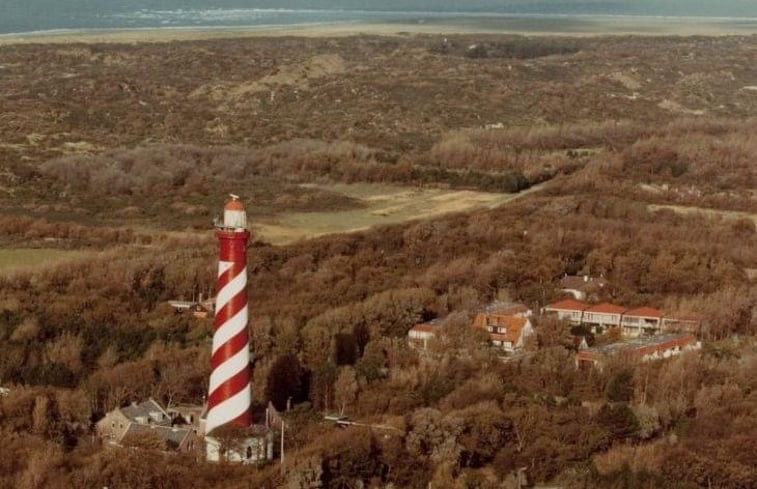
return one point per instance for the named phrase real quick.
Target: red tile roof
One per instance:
(513, 327)
(637, 347)
(423, 328)
(607, 308)
(568, 305)
(685, 316)
(664, 345)
(644, 312)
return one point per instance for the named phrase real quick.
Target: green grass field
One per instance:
(14, 260)
(383, 204)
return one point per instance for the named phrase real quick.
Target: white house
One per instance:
(641, 320)
(683, 323)
(421, 335)
(604, 315)
(506, 332)
(568, 309)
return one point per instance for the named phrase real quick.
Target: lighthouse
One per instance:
(229, 391)
(229, 394)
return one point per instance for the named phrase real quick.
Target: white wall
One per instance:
(259, 449)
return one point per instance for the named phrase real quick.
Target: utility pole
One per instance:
(282, 445)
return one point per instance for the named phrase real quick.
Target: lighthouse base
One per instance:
(256, 446)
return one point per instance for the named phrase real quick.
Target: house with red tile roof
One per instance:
(641, 320)
(603, 316)
(506, 332)
(641, 349)
(568, 309)
(422, 334)
(691, 323)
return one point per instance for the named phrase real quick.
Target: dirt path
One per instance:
(711, 213)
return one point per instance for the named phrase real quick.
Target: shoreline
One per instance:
(526, 26)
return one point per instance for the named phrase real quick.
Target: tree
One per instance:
(620, 388)
(305, 474)
(373, 362)
(345, 349)
(552, 331)
(619, 420)
(285, 381)
(42, 415)
(345, 388)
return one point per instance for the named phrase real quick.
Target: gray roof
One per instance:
(497, 306)
(584, 283)
(636, 343)
(144, 410)
(173, 436)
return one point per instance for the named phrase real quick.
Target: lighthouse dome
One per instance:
(234, 216)
(233, 205)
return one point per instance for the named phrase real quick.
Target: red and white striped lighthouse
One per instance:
(229, 394)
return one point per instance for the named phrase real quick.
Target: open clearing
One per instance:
(14, 260)
(711, 213)
(383, 204)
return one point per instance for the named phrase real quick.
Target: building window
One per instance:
(489, 329)
(249, 452)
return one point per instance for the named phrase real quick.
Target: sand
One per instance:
(706, 212)
(578, 26)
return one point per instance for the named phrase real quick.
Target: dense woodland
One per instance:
(329, 316)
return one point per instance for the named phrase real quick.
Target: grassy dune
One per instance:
(383, 204)
(14, 260)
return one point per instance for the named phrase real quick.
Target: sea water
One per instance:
(20, 16)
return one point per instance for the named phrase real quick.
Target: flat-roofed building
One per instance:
(641, 349)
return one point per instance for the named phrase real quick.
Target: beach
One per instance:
(527, 26)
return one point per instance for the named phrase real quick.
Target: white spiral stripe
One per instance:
(228, 410)
(235, 286)
(229, 368)
(223, 266)
(230, 329)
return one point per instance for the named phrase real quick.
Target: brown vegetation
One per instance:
(330, 315)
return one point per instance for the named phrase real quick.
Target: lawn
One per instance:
(383, 204)
(29, 259)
